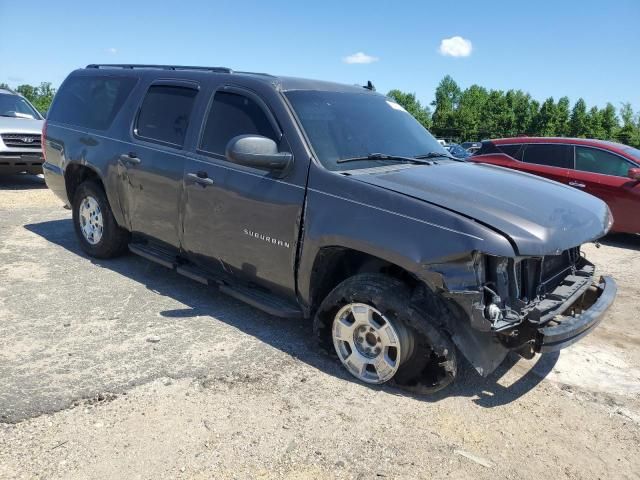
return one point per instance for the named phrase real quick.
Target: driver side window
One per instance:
(230, 115)
(599, 161)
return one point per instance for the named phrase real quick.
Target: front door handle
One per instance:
(577, 184)
(130, 158)
(201, 178)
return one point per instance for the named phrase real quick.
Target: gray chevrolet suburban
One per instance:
(20, 132)
(310, 199)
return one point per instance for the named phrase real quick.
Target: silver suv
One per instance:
(20, 131)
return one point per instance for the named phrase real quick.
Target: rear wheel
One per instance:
(379, 335)
(96, 228)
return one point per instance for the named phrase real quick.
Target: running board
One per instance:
(154, 254)
(256, 297)
(265, 301)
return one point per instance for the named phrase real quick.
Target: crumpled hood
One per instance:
(20, 125)
(539, 216)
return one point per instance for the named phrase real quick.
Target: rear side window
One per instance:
(551, 155)
(599, 161)
(514, 151)
(232, 114)
(90, 102)
(165, 113)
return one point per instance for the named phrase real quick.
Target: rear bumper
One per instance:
(54, 178)
(594, 303)
(18, 162)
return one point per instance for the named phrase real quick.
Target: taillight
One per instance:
(43, 139)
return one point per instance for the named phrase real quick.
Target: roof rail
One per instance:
(132, 66)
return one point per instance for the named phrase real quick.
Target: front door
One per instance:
(238, 218)
(153, 164)
(604, 175)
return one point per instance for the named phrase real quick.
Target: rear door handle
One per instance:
(577, 184)
(130, 158)
(201, 178)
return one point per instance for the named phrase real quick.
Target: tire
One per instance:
(426, 356)
(90, 205)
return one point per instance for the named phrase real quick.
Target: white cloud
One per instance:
(360, 57)
(455, 47)
(112, 50)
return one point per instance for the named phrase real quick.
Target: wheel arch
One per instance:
(334, 264)
(77, 173)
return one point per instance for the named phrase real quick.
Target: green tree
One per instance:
(412, 105)
(595, 129)
(545, 122)
(609, 121)
(563, 128)
(629, 133)
(523, 112)
(469, 118)
(41, 96)
(446, 102)
(578, 121)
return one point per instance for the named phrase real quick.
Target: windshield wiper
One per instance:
(432, 155)
(382, 156)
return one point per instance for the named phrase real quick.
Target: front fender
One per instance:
(421, 238)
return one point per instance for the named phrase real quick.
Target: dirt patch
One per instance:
(123, 369)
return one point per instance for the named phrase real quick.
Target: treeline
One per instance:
(476, 113)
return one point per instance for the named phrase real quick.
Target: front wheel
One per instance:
(380, 335)
(96, 228)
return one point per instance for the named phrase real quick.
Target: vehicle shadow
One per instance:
(290, 336)
(22, 181)
(629, 241)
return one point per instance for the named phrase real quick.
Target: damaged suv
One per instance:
(330, 202)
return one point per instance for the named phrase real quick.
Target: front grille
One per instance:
(21, 140)
(537, 276)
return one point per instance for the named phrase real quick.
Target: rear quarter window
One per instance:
(91, 102)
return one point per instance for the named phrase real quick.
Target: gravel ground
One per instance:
(123, 369)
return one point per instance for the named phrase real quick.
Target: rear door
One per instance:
(604, 174)
(153, 164)
(238, 218)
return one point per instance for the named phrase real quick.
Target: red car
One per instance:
(610, 171)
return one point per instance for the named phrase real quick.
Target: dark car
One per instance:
(457, 150)
(317, 200)
(471, 147)
(608, 170)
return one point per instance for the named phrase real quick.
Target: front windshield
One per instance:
(633, 152)
(346, 125)
(16, 106)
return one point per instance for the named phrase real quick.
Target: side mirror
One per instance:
(634, 173)
(258, 152)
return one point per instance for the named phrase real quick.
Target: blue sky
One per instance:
(588, 49)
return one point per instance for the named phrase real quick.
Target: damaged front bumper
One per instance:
(569, 306)
(563, 330)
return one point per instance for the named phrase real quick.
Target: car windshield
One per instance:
(343, 125)
(633, 152)
(17, 107)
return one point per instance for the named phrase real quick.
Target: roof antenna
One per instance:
(369, 86)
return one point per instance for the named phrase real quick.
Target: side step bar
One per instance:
(256, 297)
